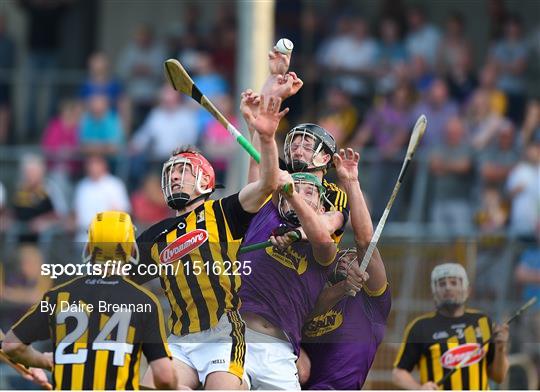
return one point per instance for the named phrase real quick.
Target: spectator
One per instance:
(174, 35)
(391, 53)
(438, 108)
(172, 123)
(218, 145)
(24, 286)
(493, 212)
(386, 128)
(527, 274)
(207, 78)
(349, 57)
(224, 50)
(98, 191)
(140, 66)
(7, 63)
(423, 38)
(61, 139)
(509, 54)
(454, 45)
(522, 187)
(461, 79)
(148, 205)
(101, 129)
(534, 43)
(483, 123)
(313, 33)
(531, 124)
(100, 81)
(210, 82)
(450, 166)
(44, 20)
(189, 52)
(488, 83)
(38, 204)
(421, 74)
(339, 115)
(496, 161)
(497, 13)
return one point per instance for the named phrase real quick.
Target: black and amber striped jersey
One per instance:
(437, 344)
(336, 200)
(201, 247)
(99, 327)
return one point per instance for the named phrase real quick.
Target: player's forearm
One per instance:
(375, 269)
(333, 221)
(499, 367)
(254, 169)
(26, 355)
(327, 299)
(359, 213)
(269, 165)
(404, 379)
(324, 248)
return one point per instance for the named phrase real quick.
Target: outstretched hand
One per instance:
(249, 106)
(268, 117)
(346, 163)
(282, 86)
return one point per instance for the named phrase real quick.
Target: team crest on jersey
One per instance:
(183, 245)
(289, 258)
(324, 324)
(451, 358)
(440, 335)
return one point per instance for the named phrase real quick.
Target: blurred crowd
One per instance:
(366, 82)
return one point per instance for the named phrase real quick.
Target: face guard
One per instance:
(188, 168)
(439, 283)
(344, 260)
(314, 141)
(311, 190)
(111, 236)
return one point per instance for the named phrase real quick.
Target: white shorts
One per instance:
(270, 362)
(218, 349)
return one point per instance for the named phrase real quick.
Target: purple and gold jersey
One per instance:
(284, 284)
(342, 343)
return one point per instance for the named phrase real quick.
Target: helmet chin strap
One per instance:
(184, 200)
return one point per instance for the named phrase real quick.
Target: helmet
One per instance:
(111, 236)
(324, 143)
(449, 270)
(349, 255)
(285, 209)
(199, 166)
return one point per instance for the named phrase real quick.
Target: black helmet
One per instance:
(323, 142)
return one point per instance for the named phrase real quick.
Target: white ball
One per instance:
(284, 46)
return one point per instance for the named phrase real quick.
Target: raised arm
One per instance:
(346, 163)
(323, 246)
(280, 84)
(249, 105)
(253, 195)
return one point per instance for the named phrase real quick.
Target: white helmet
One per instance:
(448, 270)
